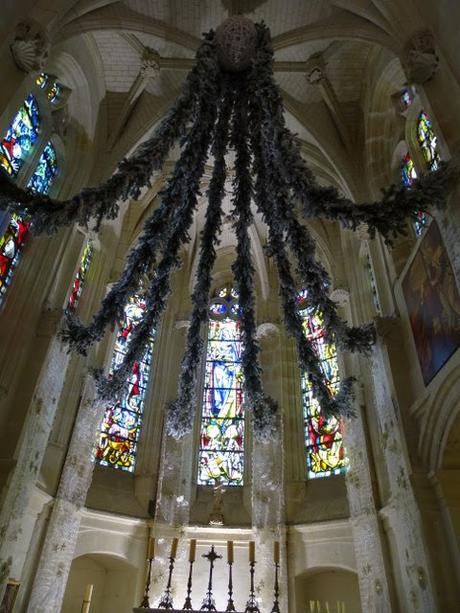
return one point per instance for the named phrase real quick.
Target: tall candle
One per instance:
(252, 551)
(87, 598)
(151, 548)
(230, 552)
(276, 552)
(191, 553)
(174, 548)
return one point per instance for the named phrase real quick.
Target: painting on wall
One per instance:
(9, 597)
(433, 304)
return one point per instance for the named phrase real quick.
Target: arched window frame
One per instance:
(219, 304)
(116, 355)
(312, 457)
(15, 225)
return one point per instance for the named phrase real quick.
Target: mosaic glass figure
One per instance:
(119, 435)
(46, 171)
(323, 437)
(11, 244)
(428, 141)
(21, 136)
(408, 176)
(80, 276)
(221, 453)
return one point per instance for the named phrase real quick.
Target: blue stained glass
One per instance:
(221, 454)
(46, 171)
(121, 426)
(408, 176)
(21, 136)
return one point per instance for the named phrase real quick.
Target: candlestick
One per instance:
(87, 598)
(230, 603)
(174, 548)
(151, 549)
(188, 600)
(276, 590)
(252, 551)
(230, 552)
(192, 551)
(276, 552)
(251, 605)
(166, 601)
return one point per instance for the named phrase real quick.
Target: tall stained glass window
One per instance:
(221, 452)
(428, 141)
(323, 437)
(408, 176)
(21, 136)
(80, 276)
(46, 171)
(119, 435)
(11, 244)
(52, 87)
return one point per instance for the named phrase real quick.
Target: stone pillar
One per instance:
(401, 513)
(61, 536)
(31, 449)
(370, 565)
(267, 483)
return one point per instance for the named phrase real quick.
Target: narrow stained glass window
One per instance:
(80, 276)
(323, 437)
(121, 426)
(11, 244)
(428, 141)
(221, 453)
(408, 176)
(21, 136)
(46, 171)
(53, 88)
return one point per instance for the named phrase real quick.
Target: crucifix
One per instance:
(208, 602)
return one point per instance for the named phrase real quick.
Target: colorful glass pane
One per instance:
(428, 141)
(80, 276)
(221, 454)
(119, 435)
(406, 99)
(408, 176)
(42, 80)
(323, 437)
(46, 171)
(11, 244)
(53, 88)
(20, 137)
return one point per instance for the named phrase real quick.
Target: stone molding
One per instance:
(30, 47)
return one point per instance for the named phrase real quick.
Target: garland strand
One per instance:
(132, 175)
(264, 409)
(178, 200)
(181, 412)
(185, 190)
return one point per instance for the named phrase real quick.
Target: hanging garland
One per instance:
(230, 98)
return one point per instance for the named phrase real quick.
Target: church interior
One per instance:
(102, 509)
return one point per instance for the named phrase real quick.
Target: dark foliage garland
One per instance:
(245, 110)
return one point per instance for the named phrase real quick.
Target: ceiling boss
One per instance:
(229, 100)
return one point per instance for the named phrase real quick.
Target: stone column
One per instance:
(267, 483)
(373, 584)
(61, 536)
(401, 513)
(31, 449)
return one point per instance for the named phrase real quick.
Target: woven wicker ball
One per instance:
(236, 43)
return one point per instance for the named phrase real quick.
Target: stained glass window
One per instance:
(119, 435)
(428, 141)
(221, 453)
(11, 244)
(46, 171)
(323, 437)
(408, 176)
(80, 276)
(53, 88)
(21, 136)
(406, 98)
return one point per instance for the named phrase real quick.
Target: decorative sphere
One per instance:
(236, 43)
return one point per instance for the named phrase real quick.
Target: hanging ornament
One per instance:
(229, 99)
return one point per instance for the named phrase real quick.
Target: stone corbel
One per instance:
(420, 59)
(182, 325)
(340, 296)
(30, 47)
